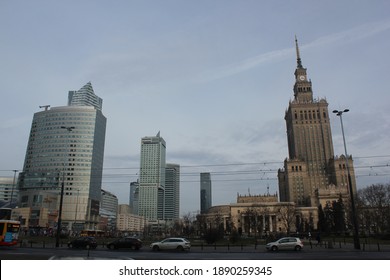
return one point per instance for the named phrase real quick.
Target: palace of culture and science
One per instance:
(312, 175)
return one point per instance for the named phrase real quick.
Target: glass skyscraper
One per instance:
(205, 192)
(133, 197)
(66, 145)
(85, 97)
(172, 192)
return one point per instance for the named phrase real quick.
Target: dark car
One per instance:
(126, 243)
(86, 242)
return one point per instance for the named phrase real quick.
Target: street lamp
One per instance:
(69, 129)
(353, 211)
(13, 186)
(75, 214)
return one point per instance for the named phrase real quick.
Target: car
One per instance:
(125, 242)
(285, 243)
(86, 242)
(172, 243)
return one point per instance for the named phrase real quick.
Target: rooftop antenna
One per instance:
(299, 62)
(45, 106)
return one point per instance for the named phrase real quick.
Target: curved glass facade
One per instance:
(66, 145)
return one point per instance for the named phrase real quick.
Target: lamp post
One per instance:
(353, 210)
(13, 186)
(75, 214)
(69, 129)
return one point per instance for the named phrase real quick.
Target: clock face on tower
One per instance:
(302, 78)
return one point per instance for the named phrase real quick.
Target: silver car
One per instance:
(173, 243)
(285, 243)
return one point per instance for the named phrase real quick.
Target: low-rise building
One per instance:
(129, 223)
(258, 215)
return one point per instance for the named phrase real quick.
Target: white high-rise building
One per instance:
(66, 145)
(152, 178)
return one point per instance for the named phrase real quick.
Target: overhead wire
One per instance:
(109, 175)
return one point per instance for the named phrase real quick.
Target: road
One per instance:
(196, 253)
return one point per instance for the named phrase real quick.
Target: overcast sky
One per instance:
(214, 77)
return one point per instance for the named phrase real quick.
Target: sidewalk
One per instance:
(325, 246)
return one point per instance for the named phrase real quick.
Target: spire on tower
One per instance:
(299, 62)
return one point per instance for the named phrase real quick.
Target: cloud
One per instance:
(351, 35)
(347, 36)
(242, 66)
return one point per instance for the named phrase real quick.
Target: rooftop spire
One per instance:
(299, 62)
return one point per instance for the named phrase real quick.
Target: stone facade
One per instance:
(260, 215)
(312, 174)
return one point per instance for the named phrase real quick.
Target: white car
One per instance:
(285, 243)
(172, 243)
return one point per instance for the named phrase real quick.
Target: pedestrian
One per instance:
(318, 239)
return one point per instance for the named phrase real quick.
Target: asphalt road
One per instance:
(196, 253)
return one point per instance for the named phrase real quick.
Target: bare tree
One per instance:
(251, 220)
(201, 224)
(214, 229)
(188, 220)
(374, 208)
(287, 216)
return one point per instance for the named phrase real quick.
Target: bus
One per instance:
(5, 213)
(9, 231)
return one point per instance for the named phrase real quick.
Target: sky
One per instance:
(214, 77)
